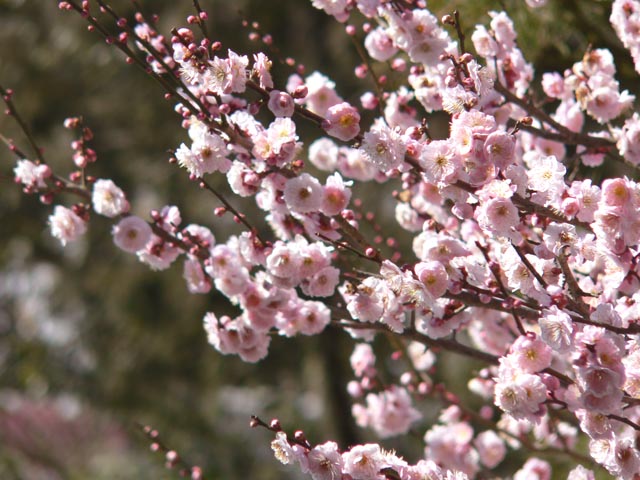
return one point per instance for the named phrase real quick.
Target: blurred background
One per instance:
(92, 342)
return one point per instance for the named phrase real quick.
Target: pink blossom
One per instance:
(498, 215)
(491, 448)
(421, 357)
(108, 199)
(546, 174)
(556, 329)
(323, 154)
(503, 30)
(383, 146)
(534, 469)
(337, 8)
(131, 234)
(323, 283)
(235, 336)
(321, 94)
(303, 194)
(262, 67)
(364, 461)
(530, 354)
(32, 175)
(209, 155)
(581, 473)
(450, 446)
(499, 149)
(625, 18)
(325, 462)
(218, 76)
(605, 103)
(483, 42)
(336, 195)
(434, 276)
(158, 253)
(520, 394)
(428, 50)
(284, 451)
(278, 142)
(435, 324)
(554, 85)
(588, 196)
(66, 225)
(440, 161)
(368, 302)
(280, 103)
(629, 139)
(308, 318)
(194, 275)
(343, 121)
(243, 180)
(390, 412)
(379, 45)
(237, 76)
(363, 360)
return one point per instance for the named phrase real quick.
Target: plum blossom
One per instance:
(321, 94)
(303, 194)
(498, 215)
(66, 225)
(629, 139)
(324, 462)
(546, 174)
(440, 161)
(556, 329)
(364, 461)
(342, 121)
(379, 45)
(131, 234)
(32, 175)
(383, 146)
(228, 75)
(280, 103)
(323, 154)
(389, 413)
(625, 17)
(193, 273)
(108, 199)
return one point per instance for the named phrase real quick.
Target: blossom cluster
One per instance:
(519, 260)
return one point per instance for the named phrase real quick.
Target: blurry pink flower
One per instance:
(389, 413)
(31, 175)
(363, 360)
(303, 194)
(65, 225)
(379, 45)
(131, 234)
(194, 275)
(491, 448)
